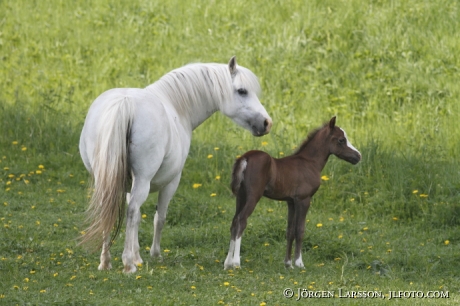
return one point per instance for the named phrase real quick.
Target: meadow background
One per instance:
(389, 70)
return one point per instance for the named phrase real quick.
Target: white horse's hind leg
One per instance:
(164, 196)
(139, 194)
(137, 257)
(105, 254)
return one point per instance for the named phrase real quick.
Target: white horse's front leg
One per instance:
(139, 194)
(105, 254)
(164, 196)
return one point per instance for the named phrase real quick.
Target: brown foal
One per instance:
(293, 179)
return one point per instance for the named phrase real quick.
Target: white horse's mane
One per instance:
(195, 84)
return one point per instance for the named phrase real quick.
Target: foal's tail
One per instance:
(238, 174)
(110, 172)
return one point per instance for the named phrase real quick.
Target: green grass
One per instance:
(387, 69)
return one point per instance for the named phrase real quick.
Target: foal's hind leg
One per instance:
(139, 194)
(239, 224)
(240, 202)
(164, 196)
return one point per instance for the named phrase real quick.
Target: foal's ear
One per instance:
(232, 65)
(332, 123)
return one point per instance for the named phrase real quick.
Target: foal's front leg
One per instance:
(301, 209)
(290, 233)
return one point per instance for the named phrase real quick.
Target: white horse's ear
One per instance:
(232, 65)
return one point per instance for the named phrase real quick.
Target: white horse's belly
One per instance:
(169, 169)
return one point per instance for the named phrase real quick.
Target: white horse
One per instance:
(142, 136)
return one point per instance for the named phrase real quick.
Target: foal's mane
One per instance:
(195, 84)
(310, 137)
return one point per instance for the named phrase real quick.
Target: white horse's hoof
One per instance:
(138, 261)
(104, 266)
(129, 269)
(155, 253)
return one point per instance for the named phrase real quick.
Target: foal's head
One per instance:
(339, 144)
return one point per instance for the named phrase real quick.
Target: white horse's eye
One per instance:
(242, 92)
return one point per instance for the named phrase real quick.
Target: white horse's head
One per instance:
(245, 108)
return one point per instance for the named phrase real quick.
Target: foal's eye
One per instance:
(242, 91)
(342, 141)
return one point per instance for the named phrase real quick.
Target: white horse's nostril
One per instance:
(268, 125)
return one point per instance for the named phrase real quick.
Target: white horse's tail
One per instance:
(110, 173)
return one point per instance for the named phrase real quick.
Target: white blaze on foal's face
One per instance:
(349, 143)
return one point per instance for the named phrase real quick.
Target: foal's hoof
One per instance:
(288, 264)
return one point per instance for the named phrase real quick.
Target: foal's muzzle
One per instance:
(356, 158)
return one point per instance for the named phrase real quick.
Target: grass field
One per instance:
(390, 72)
